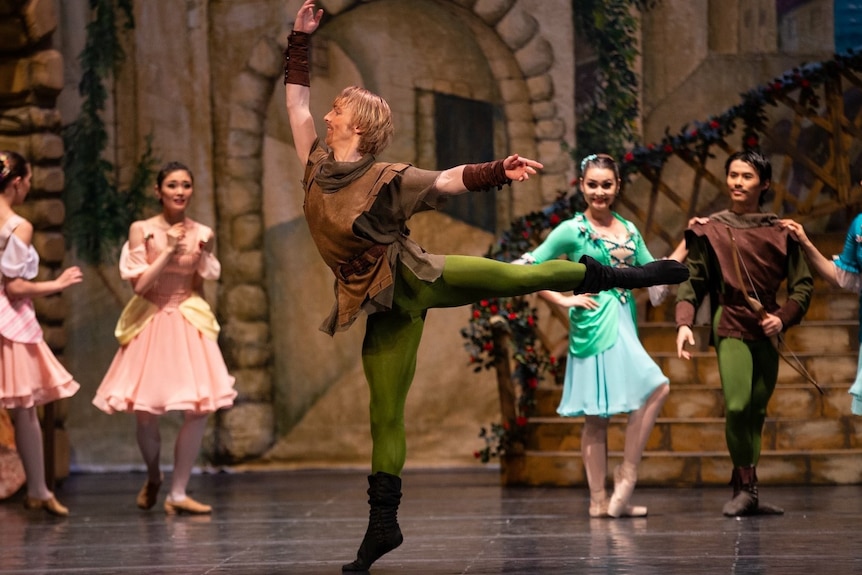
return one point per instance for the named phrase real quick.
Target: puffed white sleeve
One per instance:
(133, 262)
(19, 260)
(209, 267)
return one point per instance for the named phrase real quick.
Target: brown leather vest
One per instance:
(330, 218)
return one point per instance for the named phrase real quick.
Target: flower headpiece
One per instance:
(5, 165)
(587, 160)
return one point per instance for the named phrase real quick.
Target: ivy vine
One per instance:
(608, 121)
(98, 212)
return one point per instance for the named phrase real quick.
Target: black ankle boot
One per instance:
(600, 277)
(745, 499)
(383, 533)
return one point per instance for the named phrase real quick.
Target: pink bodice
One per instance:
(178, 280)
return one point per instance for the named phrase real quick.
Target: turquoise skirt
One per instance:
(617, 380)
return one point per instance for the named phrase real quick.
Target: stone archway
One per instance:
(519, 58)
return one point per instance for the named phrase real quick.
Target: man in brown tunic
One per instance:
(740, 257)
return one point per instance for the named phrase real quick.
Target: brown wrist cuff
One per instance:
(478, 177)
(296, 67)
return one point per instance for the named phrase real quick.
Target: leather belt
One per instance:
(361, 263)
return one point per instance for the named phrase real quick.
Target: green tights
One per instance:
(392, 337)
(749, 371)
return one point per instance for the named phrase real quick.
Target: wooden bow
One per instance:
(757, 307)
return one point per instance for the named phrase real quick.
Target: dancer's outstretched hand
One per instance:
(519, 169)
(306, 19)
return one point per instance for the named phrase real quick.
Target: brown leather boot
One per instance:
(744, 500)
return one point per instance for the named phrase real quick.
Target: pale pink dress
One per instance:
(30, 375)
(169, 365)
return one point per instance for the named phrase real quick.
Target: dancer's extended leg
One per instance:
(467, 279)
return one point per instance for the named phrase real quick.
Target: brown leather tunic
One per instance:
(350, 223)
(768, 256)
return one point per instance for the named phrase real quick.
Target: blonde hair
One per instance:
(371, 117)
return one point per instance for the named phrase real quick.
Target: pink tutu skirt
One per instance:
(169, 366)
(31, 375)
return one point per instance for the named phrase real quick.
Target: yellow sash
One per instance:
(139, 311)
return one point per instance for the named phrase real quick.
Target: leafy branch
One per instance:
(98, 212)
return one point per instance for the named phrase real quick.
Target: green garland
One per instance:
(99, 214)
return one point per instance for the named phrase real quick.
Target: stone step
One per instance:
(776, 467)
(692, 435)
(794, 400)
(829, 336)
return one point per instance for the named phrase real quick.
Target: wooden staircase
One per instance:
(808, 438)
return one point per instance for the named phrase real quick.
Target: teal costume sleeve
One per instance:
(851, 256)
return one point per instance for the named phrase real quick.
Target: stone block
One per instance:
(536, 57)
(52, 309)
(844, 467)
(662, 471)
(247, 267)
(782, 469)
(541, 87)
(238, 197)
(516, 28)
(13, 36)
(252, 90)
(247, 303)
(832, 369)
(513, 90)
(29, 119)
(247, 232)
(48, 179)
(55, 337)
(492, 11)
(245, 120)
(51, 247)
(546, 110)
(246, 430)
(794, 402)
(835, 402)
(46, 72)
(253, 385)
(678, 370)
(816, 434)
(246, 344)
(555, 130)
(700, 435)
(266, 59)
(693, 402)
(244, 143)
(40, 18)
(552, 156)
(44, 213)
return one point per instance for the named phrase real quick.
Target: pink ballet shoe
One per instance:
(625, 478)
(187, 505)
(51, 505)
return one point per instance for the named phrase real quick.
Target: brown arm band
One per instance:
(478, 177)
(296, 69)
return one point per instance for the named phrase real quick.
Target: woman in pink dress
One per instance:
(169, 359)
(30, 375)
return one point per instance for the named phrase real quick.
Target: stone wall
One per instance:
(31, 77)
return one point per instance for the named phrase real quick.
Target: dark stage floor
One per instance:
(311, 522)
